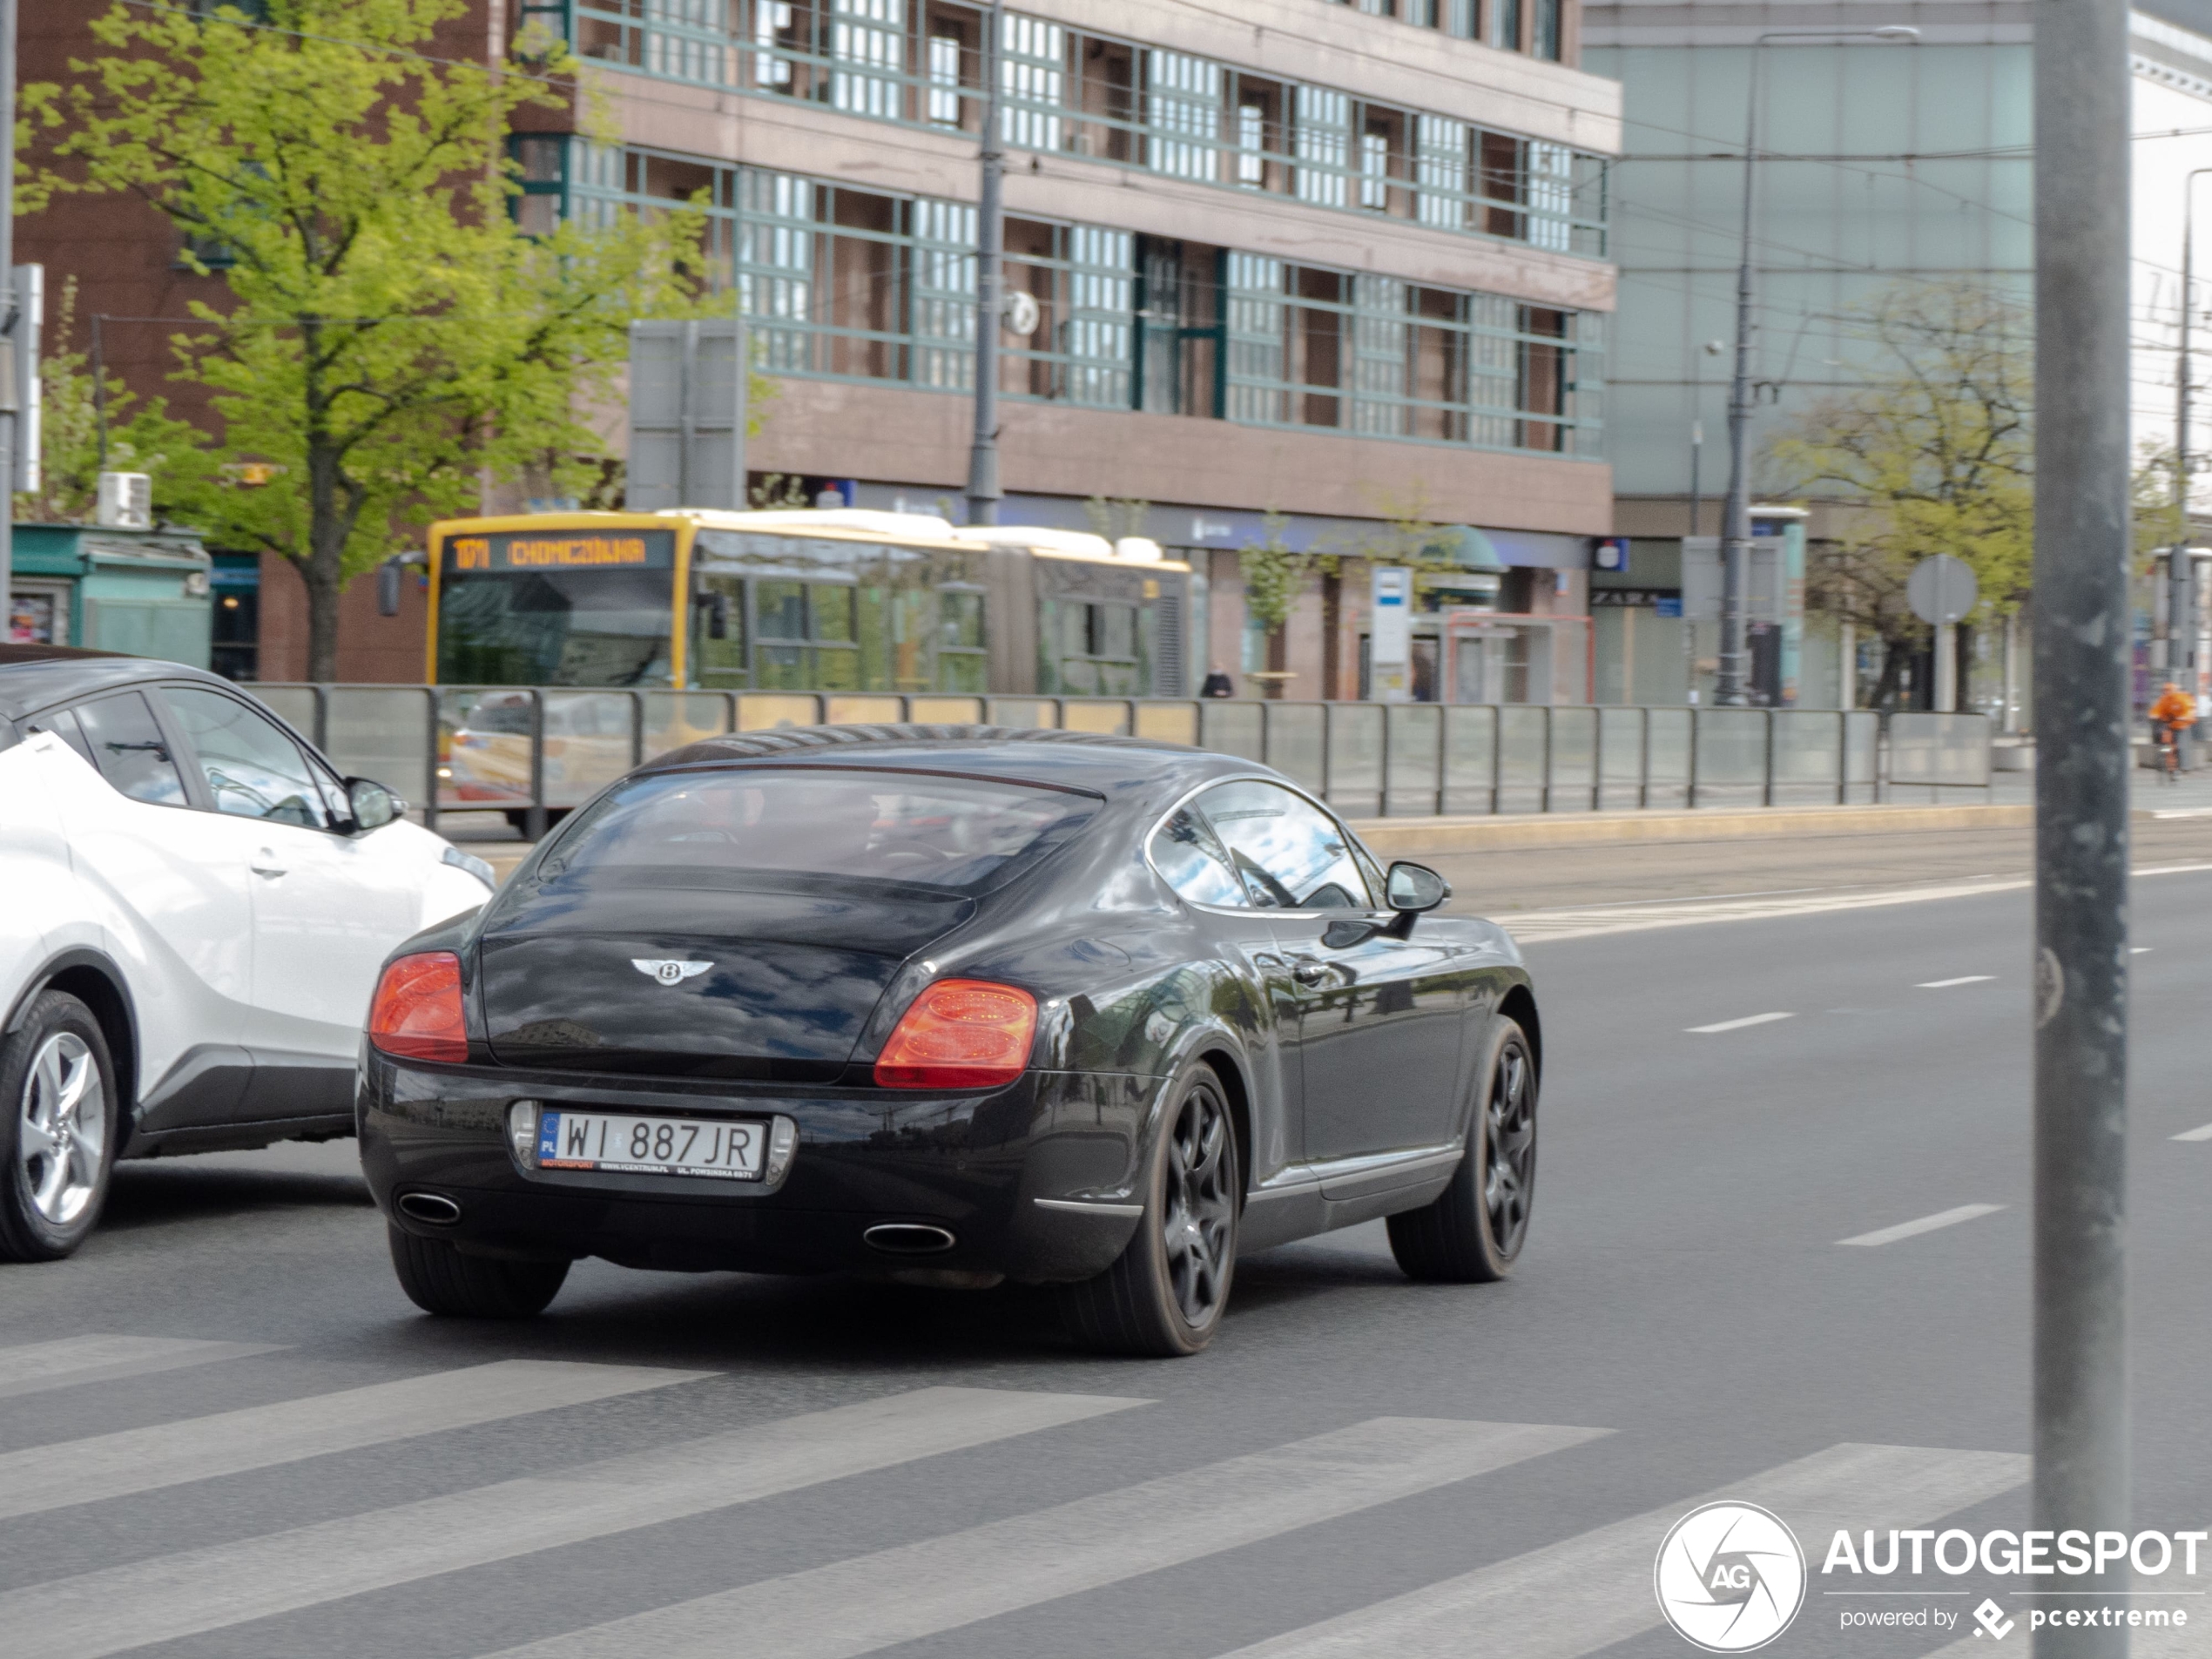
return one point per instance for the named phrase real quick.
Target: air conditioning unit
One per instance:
(126, 502)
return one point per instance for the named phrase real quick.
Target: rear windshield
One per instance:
(881, 826)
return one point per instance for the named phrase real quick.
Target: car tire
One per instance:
(1165, 1297)
(1475, 1230)
(58, 1136)
(439, 1279)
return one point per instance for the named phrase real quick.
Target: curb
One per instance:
(1583, 829)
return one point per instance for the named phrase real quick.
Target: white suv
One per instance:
(193, 908)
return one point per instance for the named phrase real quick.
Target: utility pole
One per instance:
(2081, 621)
(8, 416)
(2180, 571)
(983, 490)
(1736, 514)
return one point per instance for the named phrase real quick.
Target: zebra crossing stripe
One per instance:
(1586, 1593)
(878, 1601)
(200, 1448)
(159, 1600)
(67, 1361)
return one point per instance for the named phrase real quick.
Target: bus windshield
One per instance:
(551, 611)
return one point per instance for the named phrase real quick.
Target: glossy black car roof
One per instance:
(1110, 765)
(37, 677)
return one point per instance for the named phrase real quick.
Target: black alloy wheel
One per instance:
(1165, 1296)
(1475, 1230)
(1509, 1122)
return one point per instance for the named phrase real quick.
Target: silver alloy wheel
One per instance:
(62, 1137)
(1510, 1127)
(1201, 1207)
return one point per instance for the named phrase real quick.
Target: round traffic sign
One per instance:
(1941, 589)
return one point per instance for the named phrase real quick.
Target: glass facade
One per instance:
(857, 284)
(1107, 98)
(1880, 164)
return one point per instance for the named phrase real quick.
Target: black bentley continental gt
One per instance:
(954, 1003)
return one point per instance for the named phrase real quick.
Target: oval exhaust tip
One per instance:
(908, 1238)
(432, 1207)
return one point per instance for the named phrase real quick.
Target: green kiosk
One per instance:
(147, 593)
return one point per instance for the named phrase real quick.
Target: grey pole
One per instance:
(1735, 513)
(8, 302)
(2081, 727)
(983, 490)
(2181, 620)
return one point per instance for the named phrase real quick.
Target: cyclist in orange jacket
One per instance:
(2173, 714)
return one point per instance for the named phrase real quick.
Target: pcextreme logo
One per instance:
(1730, 1577)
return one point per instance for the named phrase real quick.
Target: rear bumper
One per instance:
(973, 1165)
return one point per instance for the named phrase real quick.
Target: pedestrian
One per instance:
(2174, 713)
(1218, 683)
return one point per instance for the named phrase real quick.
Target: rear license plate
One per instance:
(624, 1144)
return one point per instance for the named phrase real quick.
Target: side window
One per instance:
(130, 749)
(1291, 854)
(62, 724)
(1194, 863)
(253, 769)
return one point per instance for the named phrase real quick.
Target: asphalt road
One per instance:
(1685, 1323)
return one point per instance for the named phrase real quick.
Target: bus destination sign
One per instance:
(522, 551)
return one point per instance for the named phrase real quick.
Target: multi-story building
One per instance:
(1321, 266)
(1880, 163)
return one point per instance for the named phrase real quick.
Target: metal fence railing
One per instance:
(530, 750)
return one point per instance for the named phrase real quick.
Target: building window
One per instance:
(1182, 113)
(944, 295)
(688, 40)
(1374, 171)
(1505, 24)
(1252, 145)
(944, 80)
(1545, 43)
(1550, 195)
(541, 166)
(871, 34)
(1440, 171)
(1033, 78)
(771, 27)
(1322, 145)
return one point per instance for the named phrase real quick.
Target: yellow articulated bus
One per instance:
(840, 601)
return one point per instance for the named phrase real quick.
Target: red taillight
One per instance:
(961, 1034)
(417, 1011)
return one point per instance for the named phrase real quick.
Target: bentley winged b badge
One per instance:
(667, 969)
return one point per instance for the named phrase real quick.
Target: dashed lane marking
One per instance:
(1925, 1225)
(1737, 1025)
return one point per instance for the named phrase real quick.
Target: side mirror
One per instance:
(373, 806)
(387, 588)
(718, 616)
(1410, 889)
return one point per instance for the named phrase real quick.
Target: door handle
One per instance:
(1311, 973)
(265, 864)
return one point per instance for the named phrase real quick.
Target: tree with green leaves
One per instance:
(1931, 453)
(393, 337)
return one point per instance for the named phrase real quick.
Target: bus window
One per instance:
(719, 607)
(962, 664)
(554, 628)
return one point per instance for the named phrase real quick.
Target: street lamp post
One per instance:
(1736, 516)
(2181, 620)
(983, 490)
